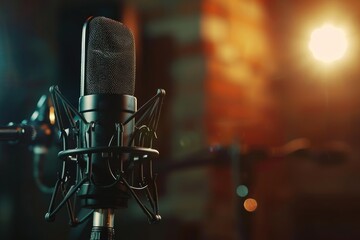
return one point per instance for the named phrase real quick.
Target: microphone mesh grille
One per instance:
(110, 67)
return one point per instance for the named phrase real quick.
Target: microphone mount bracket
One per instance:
(129, 179)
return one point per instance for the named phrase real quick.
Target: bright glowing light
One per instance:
(52, 115)
(328, 43)
(250, 205)
(242, 191)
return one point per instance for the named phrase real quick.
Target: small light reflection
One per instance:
(52, 115)
(242, 191)
(35, 115)
(250, 205)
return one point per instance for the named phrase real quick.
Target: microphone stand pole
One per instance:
(103, 225)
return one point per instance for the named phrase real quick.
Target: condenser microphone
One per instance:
(106, 99)
(113, 139)
(107, 88)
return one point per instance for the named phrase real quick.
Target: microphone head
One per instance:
(110, 58)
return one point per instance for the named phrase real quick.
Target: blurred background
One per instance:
(259, 133)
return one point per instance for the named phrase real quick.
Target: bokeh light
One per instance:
(328, 43)
(250, 205)
(242, 191)
(52, 115)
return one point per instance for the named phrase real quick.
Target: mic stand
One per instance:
(103, 225)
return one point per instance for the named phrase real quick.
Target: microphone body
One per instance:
(103, 112)
(106, 101)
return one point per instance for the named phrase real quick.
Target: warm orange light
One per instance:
(250, 205)
(52, 115)
(328, 43)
